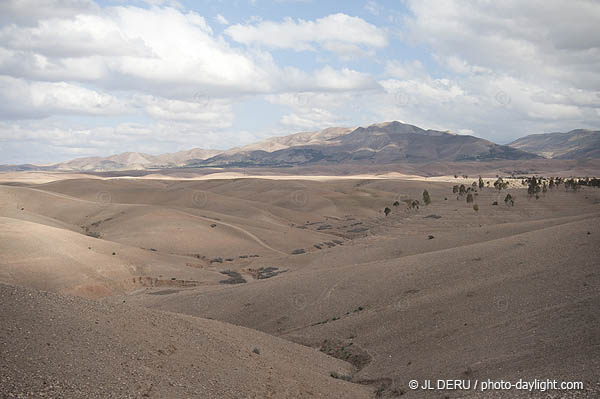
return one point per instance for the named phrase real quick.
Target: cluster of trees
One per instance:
(500, 184)
(535, 185)
(410, 203)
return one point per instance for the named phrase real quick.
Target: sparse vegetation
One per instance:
(426, 198)
(234, 277)
(338, 376)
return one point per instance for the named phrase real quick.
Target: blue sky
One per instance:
(85, 78)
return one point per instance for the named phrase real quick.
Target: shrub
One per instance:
(396, 203)
(480, 182)
(495, 203)
(339, 376)
(256, 350)
(426, 198)
(469, 198)
(475, 207)
(508, 200)
(387, 211)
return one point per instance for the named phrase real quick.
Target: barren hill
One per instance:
(65, 347)
(576, 144)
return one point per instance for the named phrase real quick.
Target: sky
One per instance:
(94, 78)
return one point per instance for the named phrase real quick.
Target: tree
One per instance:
(499, 184)
(533, 186)
(455, 189)
(396, 204)
(387, 211)
(426, 198)
(469, 198)
(480, 182)
(508, 200)
(462, 189)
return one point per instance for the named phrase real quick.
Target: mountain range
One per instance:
(377, 144)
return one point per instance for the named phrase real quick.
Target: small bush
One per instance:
(387, 211)
(256, 350)
(475, 207)
(469, 198)
(426, 198)
(495, 203)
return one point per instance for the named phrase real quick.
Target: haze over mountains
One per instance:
(378, 144)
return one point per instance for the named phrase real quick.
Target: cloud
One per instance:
(339, 33)
(23, 100)
(221, 19)
(372, 7)
(507, 69)
(29, 12)
(533, 40)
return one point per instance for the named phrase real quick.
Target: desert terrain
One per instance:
(235, 285)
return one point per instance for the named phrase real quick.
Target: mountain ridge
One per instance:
(378, 144)
(575, 144)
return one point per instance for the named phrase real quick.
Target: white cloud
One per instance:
(338, 33)
(221, 19)
(22, 99)
(533, 40)
(372, 7)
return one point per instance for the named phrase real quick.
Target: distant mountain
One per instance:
(272, 144)
(383, 143)
(378, 144)
(576, 144)
(134, 161)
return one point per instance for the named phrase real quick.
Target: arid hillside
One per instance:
(450, 289)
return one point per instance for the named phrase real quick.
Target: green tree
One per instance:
(481, 185)
(387, 211)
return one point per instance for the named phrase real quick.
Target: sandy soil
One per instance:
(443, 291)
